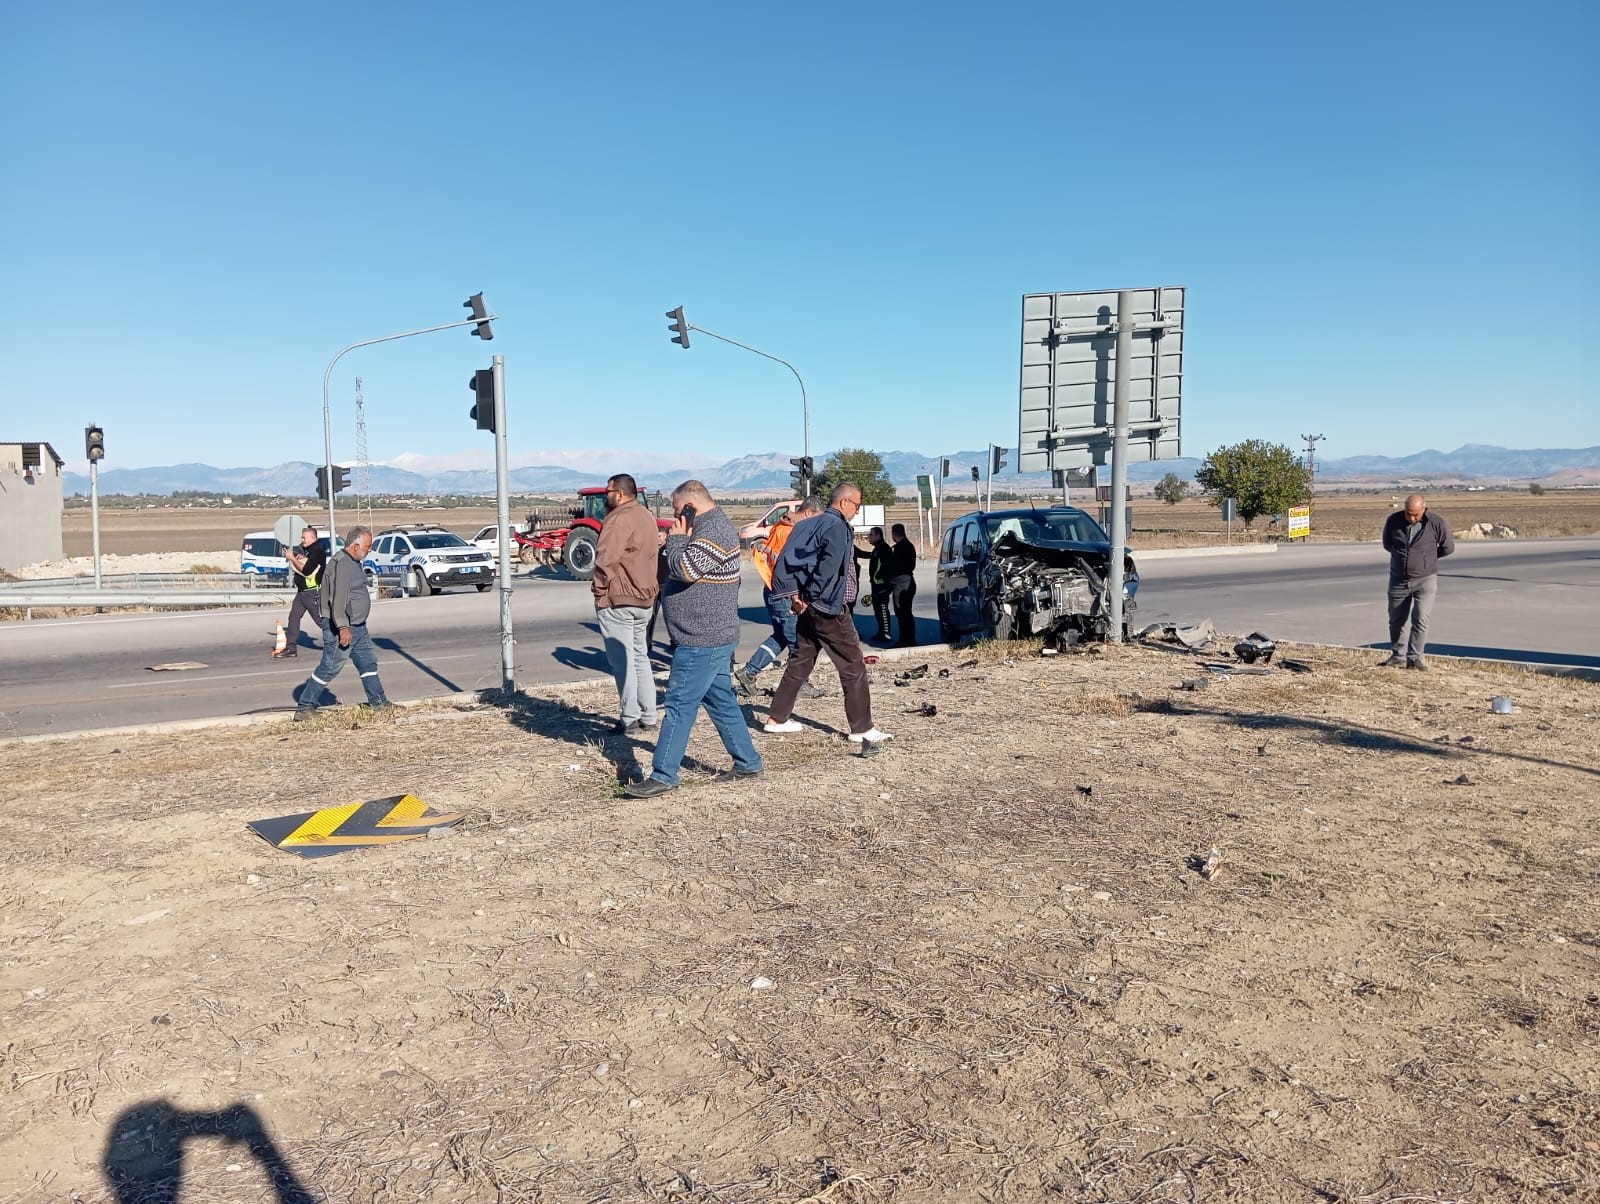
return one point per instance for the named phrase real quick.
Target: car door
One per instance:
(955, 582)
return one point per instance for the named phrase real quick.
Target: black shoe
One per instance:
(284, 655)
(628, 727)
(1395, 661)
(810, 691)
(748, 773)
(649, 727)
(649, 788)
(303, 713)
(744, 682)
(378, 708)
(1418, 663)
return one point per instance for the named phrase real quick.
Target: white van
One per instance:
(263, 554)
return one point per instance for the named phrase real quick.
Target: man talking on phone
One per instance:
(700, 601)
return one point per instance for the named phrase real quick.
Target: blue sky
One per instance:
(1384, 215)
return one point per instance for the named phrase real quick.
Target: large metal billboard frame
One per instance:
(1068, 378)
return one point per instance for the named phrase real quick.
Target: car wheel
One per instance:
(419, 584)
(484, 587)
(579, 554)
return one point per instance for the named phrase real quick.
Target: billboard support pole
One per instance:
(1119, 463)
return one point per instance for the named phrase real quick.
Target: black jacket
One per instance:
(1419, 558)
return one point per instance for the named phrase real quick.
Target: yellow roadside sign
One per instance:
(352, 826)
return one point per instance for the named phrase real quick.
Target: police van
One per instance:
(263, 555)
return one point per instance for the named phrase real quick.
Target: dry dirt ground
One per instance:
(994, 972)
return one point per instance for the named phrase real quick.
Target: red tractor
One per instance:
(573, 546)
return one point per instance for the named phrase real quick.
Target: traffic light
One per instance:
(800, 479)
(997, 459)
(94, 443)
(482, 386)
(679, 327)
(475, 303)
(945, 471)
(974, 472)
(322, 481)
(341, 479)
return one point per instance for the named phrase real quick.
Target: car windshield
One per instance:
(1045, 527)
(442, 540)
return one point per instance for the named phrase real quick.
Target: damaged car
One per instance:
(1032, 572)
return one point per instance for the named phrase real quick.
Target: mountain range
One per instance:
(769, 473)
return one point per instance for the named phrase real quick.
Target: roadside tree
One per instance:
(1261, 477)
(863, 467)
(1536, 489)
(1172, 489)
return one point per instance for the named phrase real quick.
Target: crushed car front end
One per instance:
(1055, 590)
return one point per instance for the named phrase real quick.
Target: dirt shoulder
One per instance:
(994, 973)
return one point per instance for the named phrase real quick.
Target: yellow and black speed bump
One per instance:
(353, 826)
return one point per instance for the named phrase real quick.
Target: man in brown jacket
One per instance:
(624, 593)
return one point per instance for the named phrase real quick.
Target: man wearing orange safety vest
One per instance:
(765, 554)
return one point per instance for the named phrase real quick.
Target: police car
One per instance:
(421, 559)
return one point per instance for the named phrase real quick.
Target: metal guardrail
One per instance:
(104, 598)
(164, 581)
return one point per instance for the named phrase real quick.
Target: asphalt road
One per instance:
(1536, 601)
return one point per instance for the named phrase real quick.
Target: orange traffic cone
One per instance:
(281, 644)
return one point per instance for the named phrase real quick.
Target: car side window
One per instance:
(385, 544)
(401, 547)
(949, 550)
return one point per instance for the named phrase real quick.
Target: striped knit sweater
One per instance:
(701, 595)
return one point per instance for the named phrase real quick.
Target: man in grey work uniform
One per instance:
(345, 606)
(1415, 540)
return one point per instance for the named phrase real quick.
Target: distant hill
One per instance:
(768, 472)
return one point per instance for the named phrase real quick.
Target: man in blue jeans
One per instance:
(700, 601)
(345, 606)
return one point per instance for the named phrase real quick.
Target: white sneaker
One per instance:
(779, 729)
(871, 736)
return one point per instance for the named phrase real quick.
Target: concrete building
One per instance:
(30, 504)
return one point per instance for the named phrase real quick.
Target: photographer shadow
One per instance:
(144, 1155)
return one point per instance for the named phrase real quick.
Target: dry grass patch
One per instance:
(993, 973)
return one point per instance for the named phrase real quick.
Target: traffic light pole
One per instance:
(502, 498)
(94, 515)
(805, 406)
(327, 422)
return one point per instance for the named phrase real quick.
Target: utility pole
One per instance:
(1311, 453)
(1311, 463)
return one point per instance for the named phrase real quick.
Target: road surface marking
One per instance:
(192, 681)
(1348, 605)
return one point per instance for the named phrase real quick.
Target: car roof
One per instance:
(1023, 512)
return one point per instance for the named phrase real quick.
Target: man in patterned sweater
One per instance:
(700, 601)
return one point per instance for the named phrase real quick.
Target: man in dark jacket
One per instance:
(1415, 540)
(345, 606)
(903, 583)
(816, 570)
(701, 605)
